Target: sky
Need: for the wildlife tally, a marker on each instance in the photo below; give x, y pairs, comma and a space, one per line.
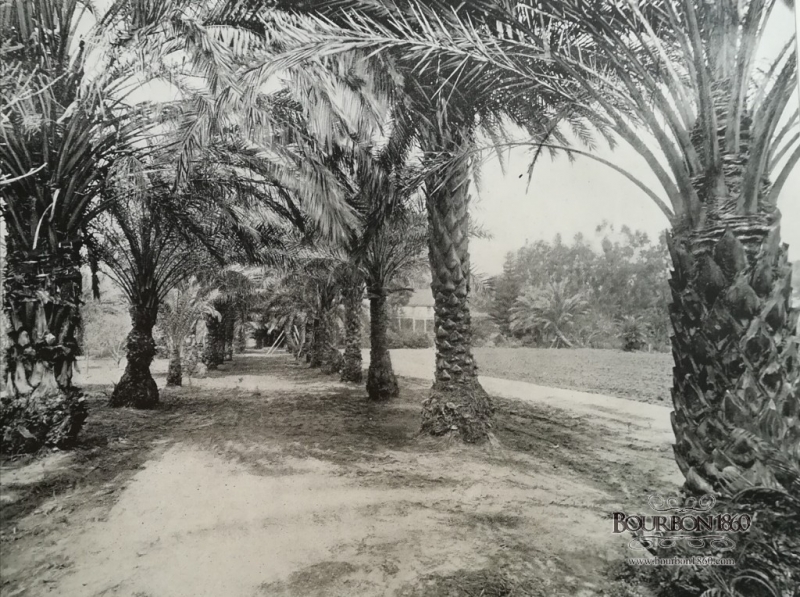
568, 198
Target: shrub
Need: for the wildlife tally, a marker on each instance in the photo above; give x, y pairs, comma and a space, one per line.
632, 333
28, 424
408, 339
501, 340
105, 327
483, 331
595, 329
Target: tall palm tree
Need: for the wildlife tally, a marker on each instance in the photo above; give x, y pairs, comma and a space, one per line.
395, 251
183, 308
680, 82
730, 142
147, 256
59, 141
440, 111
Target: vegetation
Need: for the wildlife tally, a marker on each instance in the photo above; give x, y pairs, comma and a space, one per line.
327, 146
722, 130
549, 311
393, 255
61, 141
142, 248
626, 279
180, 312
639, 376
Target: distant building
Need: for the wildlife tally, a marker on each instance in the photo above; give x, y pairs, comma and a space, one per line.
417, 314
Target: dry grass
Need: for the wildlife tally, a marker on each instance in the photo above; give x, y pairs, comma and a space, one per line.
642, 376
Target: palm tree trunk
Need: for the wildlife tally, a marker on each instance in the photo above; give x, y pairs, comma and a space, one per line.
352, 368
229, 330
318, 340
308, 339
214, 351
381, 380
175, 372
241, 334
736, 383
42, 297
457, 403
137, 388
326, 356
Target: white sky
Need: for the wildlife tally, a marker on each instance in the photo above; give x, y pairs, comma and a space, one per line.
570, 198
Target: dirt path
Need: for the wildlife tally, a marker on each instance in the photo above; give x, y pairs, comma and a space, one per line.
272, 480
646, 421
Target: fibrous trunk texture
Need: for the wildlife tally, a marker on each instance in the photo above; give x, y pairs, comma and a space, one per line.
352, 367
229, 326
137, 388
175, 371
214, 351
308, 339
318, 340
332, 359
457, 403
39, 405
241, 335
381, 380
736, 385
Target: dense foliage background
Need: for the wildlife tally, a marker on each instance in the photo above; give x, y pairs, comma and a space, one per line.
605, 294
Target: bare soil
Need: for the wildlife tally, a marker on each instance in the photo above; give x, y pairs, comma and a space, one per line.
642, 376
269, 479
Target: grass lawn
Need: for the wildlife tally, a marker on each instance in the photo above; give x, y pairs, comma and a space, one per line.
634, 375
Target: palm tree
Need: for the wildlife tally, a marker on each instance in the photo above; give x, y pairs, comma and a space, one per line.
183, 308
633, 333
549, 311
59, 140
729, 143
395, 251
681, 79
439, 110
385, 247
147, 255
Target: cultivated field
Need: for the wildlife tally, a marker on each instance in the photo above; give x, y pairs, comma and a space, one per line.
633, 375
646, 377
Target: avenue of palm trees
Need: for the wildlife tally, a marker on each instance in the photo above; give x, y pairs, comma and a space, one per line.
307, 156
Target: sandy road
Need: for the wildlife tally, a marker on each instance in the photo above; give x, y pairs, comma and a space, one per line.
253, 500
649, 422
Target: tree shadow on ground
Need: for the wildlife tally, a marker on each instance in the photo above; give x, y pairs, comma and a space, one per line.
330, 421
309, 415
